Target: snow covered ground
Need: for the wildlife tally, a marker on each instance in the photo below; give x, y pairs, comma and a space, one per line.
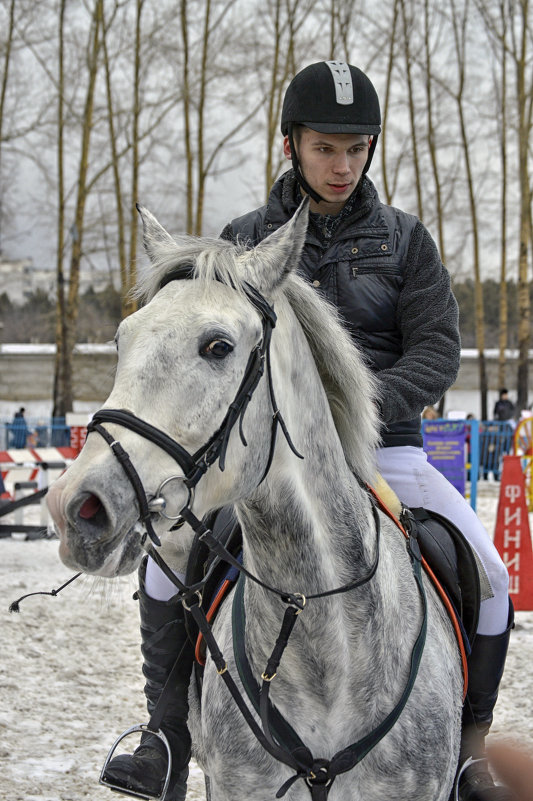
70, 678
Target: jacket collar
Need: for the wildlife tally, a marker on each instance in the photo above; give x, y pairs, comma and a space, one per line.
285, 197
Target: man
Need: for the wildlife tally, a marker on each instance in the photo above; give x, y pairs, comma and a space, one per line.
381, 268
504, 407
19, 429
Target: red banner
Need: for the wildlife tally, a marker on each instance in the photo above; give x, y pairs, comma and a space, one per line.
78, 434
512, 536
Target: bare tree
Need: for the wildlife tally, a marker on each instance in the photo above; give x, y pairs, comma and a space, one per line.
286, 23
3, 90
429, 85
497, 29
127, 263
388, 184
460, 18
407, 18
63, 381
129, 304
61, 365
520, 50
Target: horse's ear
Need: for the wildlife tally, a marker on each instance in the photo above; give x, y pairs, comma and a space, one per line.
155, 239
279, 254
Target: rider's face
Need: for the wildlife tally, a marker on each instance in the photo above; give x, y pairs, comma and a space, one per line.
332, 165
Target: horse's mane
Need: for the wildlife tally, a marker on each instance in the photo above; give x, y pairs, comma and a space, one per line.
350, 387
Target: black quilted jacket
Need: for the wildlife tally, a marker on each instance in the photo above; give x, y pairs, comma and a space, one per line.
381, 268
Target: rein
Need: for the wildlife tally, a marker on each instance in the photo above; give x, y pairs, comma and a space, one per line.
318, 774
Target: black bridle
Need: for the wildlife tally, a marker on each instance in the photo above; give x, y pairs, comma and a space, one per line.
195, 465
318, 774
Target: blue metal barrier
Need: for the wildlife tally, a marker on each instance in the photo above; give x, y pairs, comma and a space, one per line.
52, 432
495, 441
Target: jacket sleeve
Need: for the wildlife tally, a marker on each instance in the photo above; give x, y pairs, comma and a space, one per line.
428, 317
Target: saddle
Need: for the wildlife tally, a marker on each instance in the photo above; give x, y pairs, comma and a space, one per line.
449, 561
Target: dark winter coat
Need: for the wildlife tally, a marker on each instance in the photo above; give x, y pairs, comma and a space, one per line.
504, 409
381, 268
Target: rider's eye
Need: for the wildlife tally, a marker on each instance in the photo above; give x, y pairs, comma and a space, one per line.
217, 349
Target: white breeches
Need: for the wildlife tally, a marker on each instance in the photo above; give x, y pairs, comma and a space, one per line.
417, 483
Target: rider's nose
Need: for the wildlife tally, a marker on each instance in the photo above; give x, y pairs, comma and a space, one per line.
341, 164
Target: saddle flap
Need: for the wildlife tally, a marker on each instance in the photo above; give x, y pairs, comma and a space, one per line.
450, 556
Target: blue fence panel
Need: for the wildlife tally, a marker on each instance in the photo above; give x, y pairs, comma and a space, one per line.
39, 434
495, 441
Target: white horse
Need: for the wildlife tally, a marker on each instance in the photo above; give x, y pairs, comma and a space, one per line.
309, 524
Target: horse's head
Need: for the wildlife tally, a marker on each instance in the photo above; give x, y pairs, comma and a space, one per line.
181, 361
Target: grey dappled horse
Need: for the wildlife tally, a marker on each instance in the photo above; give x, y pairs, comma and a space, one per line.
308, 525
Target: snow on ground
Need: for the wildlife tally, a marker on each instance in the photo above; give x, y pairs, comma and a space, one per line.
70, 677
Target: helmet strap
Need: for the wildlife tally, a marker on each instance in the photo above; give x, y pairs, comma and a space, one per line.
371, 150
298, 170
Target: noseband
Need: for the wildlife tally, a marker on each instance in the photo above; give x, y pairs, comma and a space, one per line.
195, 465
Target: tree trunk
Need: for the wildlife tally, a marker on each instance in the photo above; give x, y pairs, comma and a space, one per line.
503, 311
388, 186
189, 188
129, 304
459, 30
61, 401
123, 267
406, 27
3, 91
524, 128
432, 144
63, 381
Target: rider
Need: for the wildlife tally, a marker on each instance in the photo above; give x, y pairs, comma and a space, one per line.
381, 268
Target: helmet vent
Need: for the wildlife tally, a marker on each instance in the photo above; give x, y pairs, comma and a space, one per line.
342, 79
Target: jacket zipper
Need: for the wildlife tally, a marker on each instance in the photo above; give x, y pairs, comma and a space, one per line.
361, 270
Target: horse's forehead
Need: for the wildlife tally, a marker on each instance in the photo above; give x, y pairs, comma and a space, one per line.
189, 304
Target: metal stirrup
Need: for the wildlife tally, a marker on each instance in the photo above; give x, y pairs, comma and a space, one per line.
140, 727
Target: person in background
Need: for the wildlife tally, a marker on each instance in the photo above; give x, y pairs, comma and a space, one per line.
19, 429
504, 408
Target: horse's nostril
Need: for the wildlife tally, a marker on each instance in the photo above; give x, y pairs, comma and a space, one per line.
90, 507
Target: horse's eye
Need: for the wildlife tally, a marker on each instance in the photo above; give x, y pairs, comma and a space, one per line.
217, 349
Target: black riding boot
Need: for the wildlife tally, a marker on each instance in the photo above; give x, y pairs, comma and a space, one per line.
163, 636
485, 670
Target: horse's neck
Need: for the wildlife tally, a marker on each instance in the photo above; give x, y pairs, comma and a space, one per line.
315, 529
308, 526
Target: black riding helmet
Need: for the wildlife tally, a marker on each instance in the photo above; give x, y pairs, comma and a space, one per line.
330, 97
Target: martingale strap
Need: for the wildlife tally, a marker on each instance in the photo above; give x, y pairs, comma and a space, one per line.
320, 772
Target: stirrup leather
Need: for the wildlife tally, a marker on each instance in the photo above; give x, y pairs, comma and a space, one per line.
143, 728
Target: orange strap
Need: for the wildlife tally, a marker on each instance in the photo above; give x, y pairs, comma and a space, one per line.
199, 651
441, 591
